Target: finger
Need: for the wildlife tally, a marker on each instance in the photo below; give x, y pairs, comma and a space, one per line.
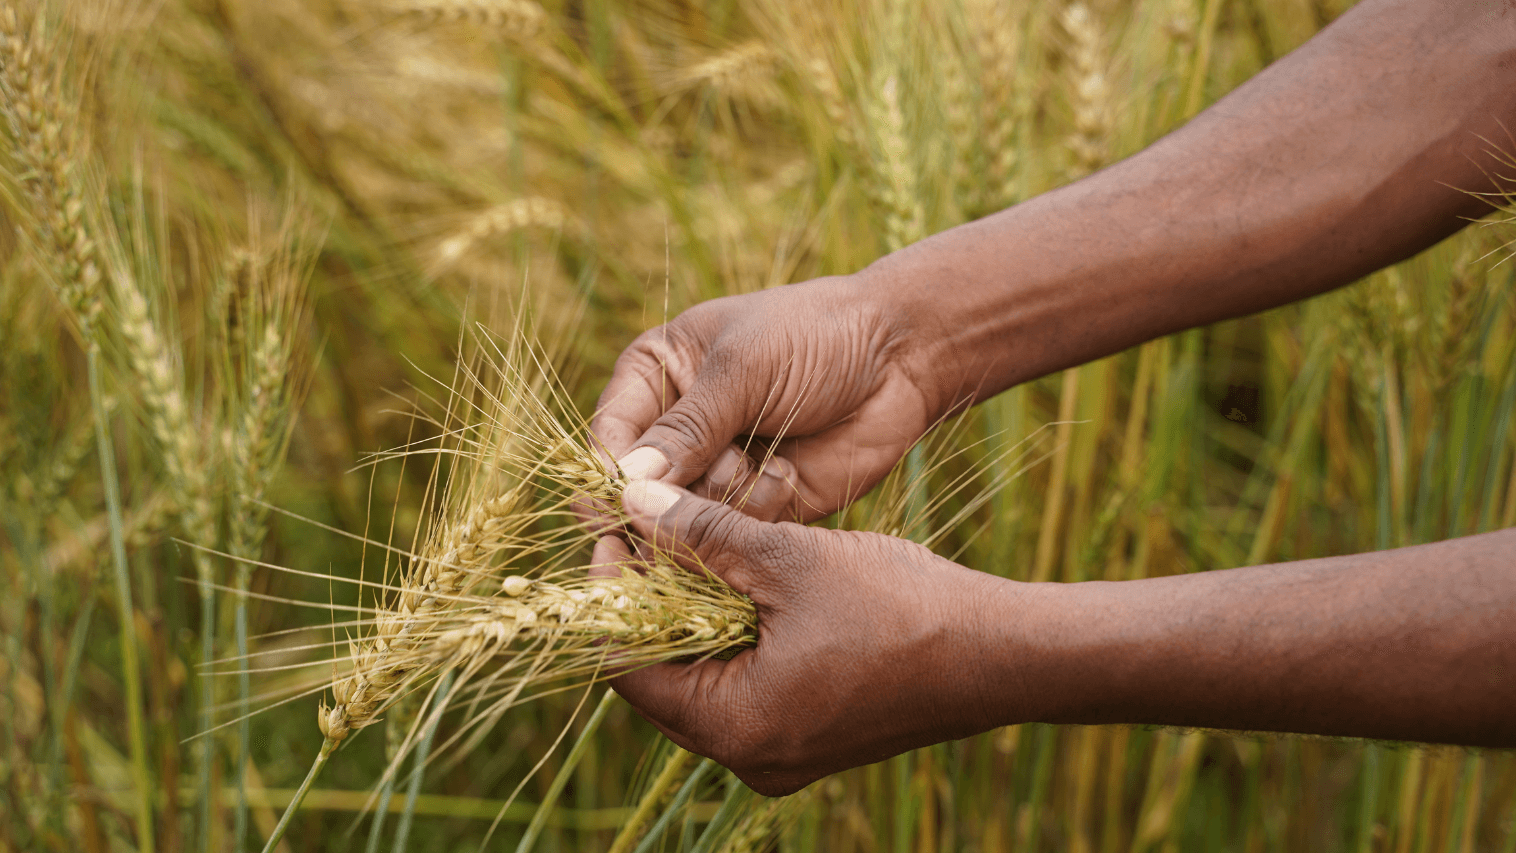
642, 386
683, 443
768, 494
606, 559
682, 700
731, 470
695, 531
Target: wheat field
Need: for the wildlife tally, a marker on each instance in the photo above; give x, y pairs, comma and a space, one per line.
280, 278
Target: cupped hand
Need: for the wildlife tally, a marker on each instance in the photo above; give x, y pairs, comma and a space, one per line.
868, 645
787, 403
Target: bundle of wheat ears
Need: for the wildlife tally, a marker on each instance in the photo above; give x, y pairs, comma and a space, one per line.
496, 608
497, 597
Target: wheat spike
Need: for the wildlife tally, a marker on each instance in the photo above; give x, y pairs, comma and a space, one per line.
957, 106
904, 219
47, 148
666, 613
745, 71
498, 221
521, 19
997, 43
1093, 112
823, 82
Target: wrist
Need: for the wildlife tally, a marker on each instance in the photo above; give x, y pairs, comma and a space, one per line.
1043, 656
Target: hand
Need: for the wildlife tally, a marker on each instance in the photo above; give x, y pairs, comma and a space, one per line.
833, 383
868, 645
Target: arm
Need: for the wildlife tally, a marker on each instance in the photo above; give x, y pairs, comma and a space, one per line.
1415, 644
1355, 151
870, 646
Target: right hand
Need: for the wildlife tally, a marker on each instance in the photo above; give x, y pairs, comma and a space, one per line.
868, 645
834, 385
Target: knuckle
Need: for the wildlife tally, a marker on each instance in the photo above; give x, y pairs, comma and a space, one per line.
688, 425
708, 527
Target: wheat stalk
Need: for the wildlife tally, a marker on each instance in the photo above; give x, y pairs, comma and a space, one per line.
50, 170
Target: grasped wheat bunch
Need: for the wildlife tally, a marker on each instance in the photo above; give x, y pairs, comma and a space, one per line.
666, 613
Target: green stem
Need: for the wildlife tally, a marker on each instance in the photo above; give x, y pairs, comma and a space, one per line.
905, 804
207, 702
244, 693
545, 808
737, 797
680, 799
663, 782
423, 748
131, 671
1368, 798
289, 811
376, 829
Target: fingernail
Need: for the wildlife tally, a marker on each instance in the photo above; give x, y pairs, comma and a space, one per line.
725, 469
644, 463
649, 497
780, 469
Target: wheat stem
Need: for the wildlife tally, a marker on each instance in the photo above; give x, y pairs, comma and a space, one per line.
686, 792
423, 748
550, 800
665, 780
327, 746
131, 672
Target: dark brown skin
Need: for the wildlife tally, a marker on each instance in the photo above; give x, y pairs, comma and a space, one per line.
1355, 151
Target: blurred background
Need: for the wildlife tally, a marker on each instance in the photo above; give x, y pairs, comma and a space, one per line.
243, 239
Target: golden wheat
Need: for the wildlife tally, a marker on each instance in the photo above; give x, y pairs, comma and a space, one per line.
1094, 115
997, 44
47, 147
518, 18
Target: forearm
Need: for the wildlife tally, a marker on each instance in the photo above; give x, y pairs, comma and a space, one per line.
1416, 643
1353, 152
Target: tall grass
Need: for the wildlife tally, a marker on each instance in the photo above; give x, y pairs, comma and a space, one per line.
607, 165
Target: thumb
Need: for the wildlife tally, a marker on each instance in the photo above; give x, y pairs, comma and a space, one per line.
695, 531
683, 442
